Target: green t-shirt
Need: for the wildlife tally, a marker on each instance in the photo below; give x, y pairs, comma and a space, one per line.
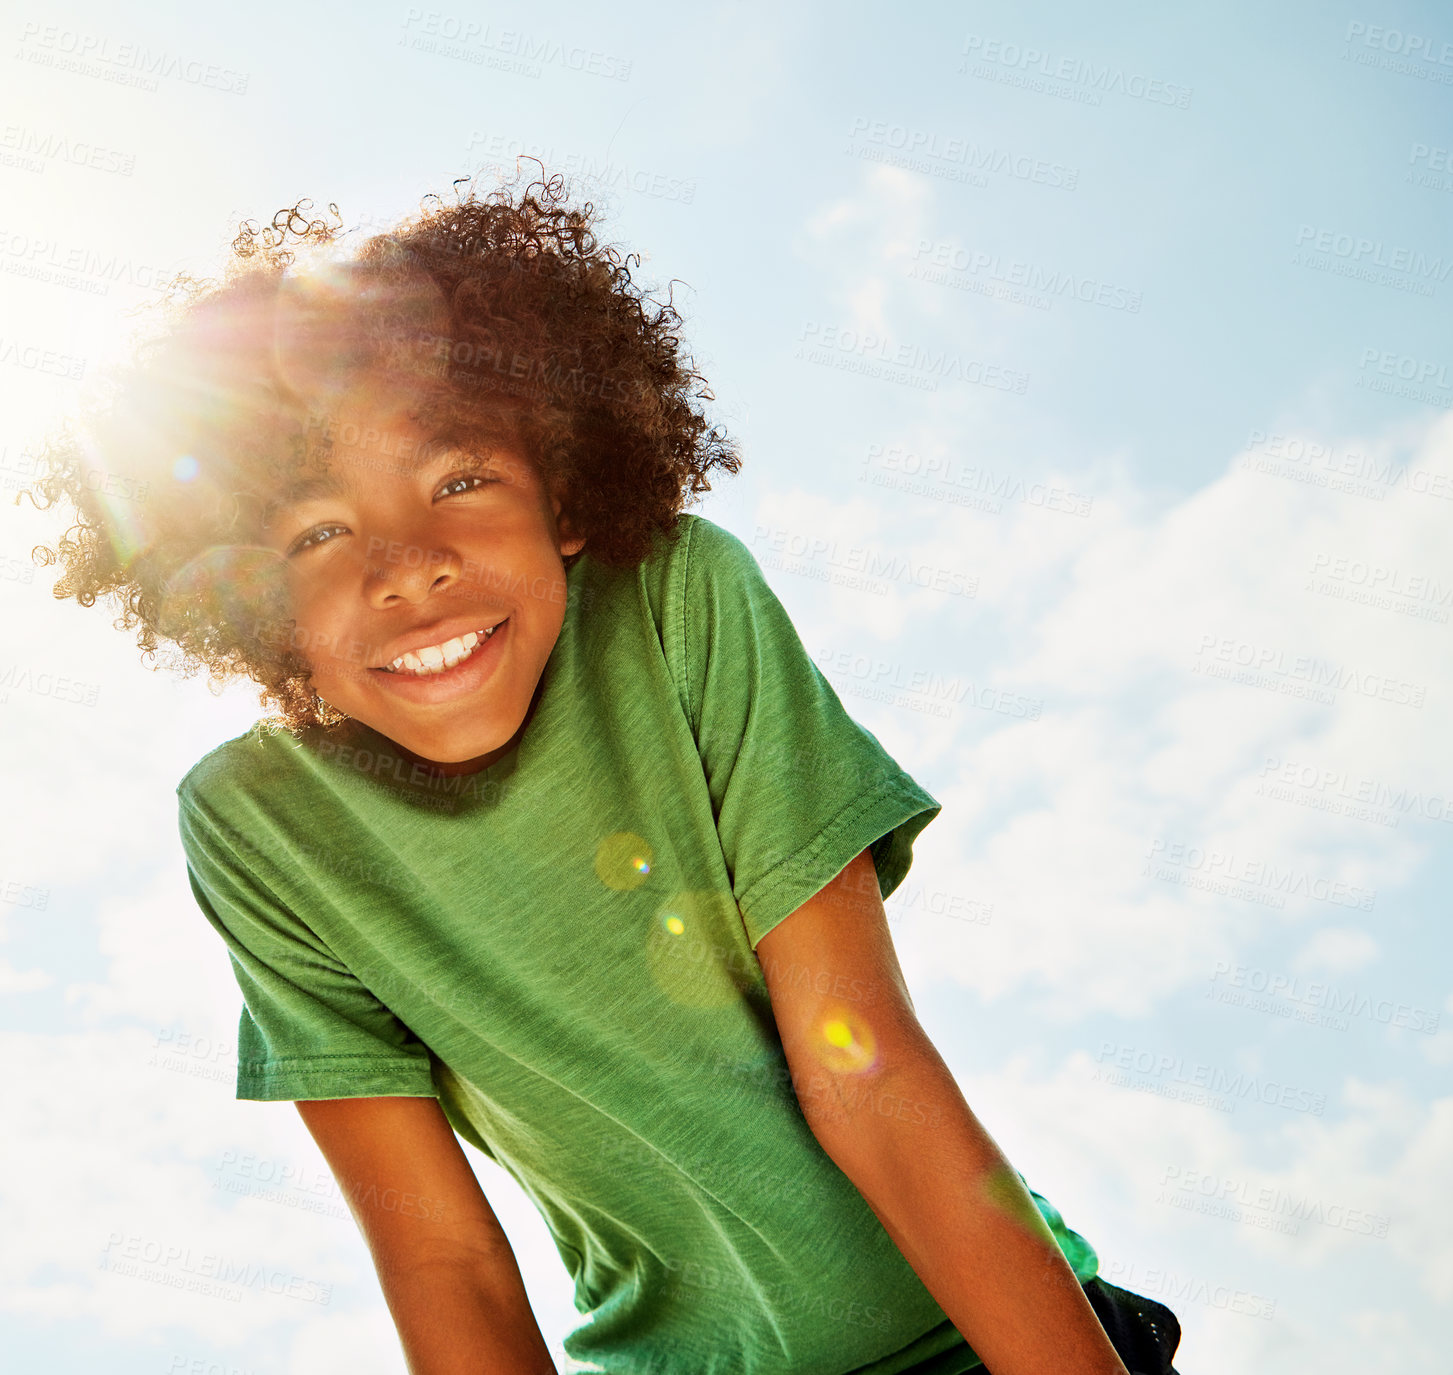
560, 947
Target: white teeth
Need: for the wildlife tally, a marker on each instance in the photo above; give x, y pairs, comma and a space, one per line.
436, 658
452, 654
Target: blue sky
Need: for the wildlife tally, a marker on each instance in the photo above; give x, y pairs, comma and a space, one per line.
1116, 342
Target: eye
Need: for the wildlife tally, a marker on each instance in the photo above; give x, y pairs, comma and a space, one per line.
455, 486
465, 478
317, 535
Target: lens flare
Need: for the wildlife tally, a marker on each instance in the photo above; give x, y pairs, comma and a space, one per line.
623, 861
690, 951
337, 319
121, 497
124, 527
237, 584
845, 1042
185, 468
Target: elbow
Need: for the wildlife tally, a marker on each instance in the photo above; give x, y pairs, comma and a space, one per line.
865, 1114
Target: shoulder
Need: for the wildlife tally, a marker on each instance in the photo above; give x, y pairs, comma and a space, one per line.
238, 765
713, 550
693, 550
691, 560
700, 544
715, 565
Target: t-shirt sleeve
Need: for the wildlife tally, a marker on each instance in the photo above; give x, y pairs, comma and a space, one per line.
308, 1027
798, 787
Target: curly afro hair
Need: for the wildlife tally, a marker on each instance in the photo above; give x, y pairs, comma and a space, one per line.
504, 317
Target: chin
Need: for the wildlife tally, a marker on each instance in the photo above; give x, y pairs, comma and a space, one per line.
455, 749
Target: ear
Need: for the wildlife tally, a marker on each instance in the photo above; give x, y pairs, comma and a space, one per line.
570, 542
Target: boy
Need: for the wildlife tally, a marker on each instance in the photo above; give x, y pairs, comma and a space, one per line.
559, 842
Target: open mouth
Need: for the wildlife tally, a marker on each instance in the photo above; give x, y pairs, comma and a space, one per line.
433, 660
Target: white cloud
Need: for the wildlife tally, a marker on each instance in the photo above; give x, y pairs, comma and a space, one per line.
875, 228
115, 1147
166, 967
95, 740
14, 980
1337, 949
1129, 625
1174, 1195
1052, 822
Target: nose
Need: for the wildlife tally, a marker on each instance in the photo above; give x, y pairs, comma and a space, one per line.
407, 570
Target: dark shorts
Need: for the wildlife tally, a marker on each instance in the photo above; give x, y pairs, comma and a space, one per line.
1144, 1333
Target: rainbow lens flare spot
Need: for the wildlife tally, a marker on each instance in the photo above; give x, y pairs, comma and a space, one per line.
845, 1042
623, 861
690, 951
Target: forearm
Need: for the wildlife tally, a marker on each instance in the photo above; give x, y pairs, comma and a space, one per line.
454, 1319
953, 1204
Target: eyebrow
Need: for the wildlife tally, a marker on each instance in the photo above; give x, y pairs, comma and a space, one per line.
331, 485
334, 484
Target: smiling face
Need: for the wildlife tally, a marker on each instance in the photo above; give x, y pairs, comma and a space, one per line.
418, 556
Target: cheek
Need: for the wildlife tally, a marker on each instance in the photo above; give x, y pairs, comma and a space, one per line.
313, 603
320, 635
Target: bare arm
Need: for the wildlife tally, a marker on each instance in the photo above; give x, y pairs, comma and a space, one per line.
446, 1268
893, 1120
